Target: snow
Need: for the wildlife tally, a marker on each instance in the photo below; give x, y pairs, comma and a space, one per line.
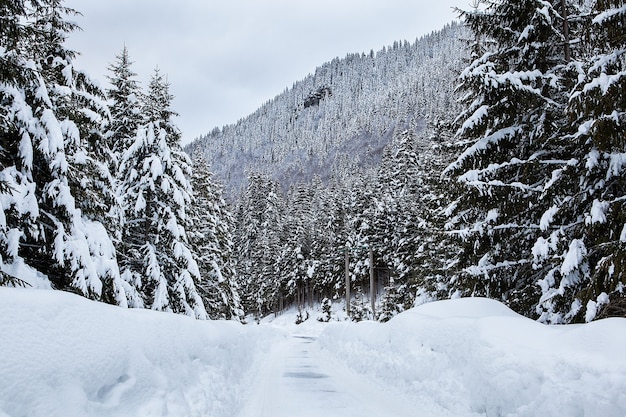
594, 306
574, 257
476, 118
542, 247
617, 162
54, 140
598, 212
63, 355
30, 276
481, 145
604, 81
547, 218
608, 14
492, 216
26, 150
474, 357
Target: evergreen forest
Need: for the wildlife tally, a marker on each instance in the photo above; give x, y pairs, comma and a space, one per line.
486, 159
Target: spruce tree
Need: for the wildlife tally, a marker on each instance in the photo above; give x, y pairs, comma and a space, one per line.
156, 255
514, 106
329, 239
18, 205
60, 187
124, 95
258, 238
581, 250
399, 225
295, 262
212, 244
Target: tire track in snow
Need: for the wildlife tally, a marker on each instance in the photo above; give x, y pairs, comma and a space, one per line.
297, 379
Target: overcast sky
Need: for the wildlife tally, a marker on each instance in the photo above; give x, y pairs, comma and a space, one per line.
224, 58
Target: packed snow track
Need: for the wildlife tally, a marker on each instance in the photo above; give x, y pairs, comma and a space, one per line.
299, 379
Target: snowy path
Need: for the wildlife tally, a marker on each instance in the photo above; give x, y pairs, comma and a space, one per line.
297, 379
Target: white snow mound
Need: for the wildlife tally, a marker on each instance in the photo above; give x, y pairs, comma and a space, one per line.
475, 357
62, 355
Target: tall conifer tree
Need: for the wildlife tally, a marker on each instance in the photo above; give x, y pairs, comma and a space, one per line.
157, 259
212, 244
582, 249
60, 185
125, 97
515, 102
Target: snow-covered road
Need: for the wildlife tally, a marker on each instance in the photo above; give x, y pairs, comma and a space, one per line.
299, 379
64, 356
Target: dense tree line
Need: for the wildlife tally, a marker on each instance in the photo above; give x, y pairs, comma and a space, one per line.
486, 159
340, 117
96, 193
516, 192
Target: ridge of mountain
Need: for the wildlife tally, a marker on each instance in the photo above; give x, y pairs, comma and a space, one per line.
338, 120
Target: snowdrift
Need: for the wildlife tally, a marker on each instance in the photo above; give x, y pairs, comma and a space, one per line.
475, 357
62, 355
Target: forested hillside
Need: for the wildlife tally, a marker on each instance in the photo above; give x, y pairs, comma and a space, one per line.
340, 118
483, 160
341, 159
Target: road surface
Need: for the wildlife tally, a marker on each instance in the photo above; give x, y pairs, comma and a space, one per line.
299, 380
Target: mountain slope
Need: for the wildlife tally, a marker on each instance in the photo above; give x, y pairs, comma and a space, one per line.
340, 118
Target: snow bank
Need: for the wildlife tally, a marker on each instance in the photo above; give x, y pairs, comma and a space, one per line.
62, 355
475, 357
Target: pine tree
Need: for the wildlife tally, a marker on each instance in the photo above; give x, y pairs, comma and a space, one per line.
399, 225
212, 244
296, 263
359, 227
437, 252
514, 106
258, 237
156, 256
329, 233
582, 249
59, 183
125, 97
18, 205
409, 224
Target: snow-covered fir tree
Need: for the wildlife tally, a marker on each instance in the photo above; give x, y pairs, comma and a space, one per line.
155, 172
397, 220
296, 264
515, 100
212, 244
581, 250
258, 237
59, 185
124, 95
541, 216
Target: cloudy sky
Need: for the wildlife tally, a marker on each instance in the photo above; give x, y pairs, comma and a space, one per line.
224, 58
